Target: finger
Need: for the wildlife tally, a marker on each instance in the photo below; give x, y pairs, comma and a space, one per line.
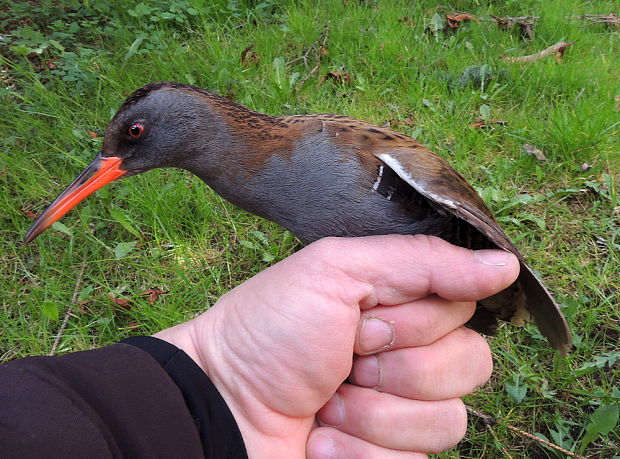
417, 323
329, 443
451, 367
394, 422
395, 269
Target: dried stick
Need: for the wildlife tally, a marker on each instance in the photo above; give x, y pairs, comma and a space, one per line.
512, 19
489, 422
610, 19
557, 49
68, 314
315, 48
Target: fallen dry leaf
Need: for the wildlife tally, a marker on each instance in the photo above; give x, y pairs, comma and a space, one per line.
407, 122
481, 123
29, 213
122, 302
340, 77
82, 306
525, 23
133, 325
153, 294
248, 56
502, 23
454, 20
92, 134
405, 20
526, 29
50, 65
536, 152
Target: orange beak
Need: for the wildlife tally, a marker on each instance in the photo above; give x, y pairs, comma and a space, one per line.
99, 173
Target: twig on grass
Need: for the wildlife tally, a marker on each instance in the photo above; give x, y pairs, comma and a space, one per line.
68, 314
490, 421
318, 48
611, 20
557, 49
512, 18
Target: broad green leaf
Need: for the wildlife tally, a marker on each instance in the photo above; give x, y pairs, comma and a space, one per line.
57, 45
123, 249
602, 421
288, 237
517, 389
416, 133
133, 49
485, 112
20, 49
50, 310
140, 9
534, 218
62, 228
85, 293
260, 236
279, 67
249, 245
609, 358
436, 22
518, 392
428, 103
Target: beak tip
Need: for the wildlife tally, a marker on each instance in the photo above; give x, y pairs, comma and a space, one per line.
29, 237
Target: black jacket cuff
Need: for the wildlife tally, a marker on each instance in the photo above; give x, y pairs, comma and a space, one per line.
217, 427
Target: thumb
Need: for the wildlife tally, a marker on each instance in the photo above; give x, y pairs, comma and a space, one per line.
395, 268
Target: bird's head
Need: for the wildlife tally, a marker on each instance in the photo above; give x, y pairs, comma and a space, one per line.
159, 125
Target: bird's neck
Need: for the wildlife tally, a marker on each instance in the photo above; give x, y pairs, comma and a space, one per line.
260, 162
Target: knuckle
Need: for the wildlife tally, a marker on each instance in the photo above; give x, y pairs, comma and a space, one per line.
326, 245
321, 256
425, 243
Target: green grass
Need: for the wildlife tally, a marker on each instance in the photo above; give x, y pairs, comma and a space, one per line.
65, 70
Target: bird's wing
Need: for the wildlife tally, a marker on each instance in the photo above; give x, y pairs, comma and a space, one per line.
436, 180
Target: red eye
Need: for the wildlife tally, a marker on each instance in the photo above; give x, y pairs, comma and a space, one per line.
136, 130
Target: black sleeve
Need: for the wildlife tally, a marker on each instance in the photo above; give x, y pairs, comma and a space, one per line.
141, 399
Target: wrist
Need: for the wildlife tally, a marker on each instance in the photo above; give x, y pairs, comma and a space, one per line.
204, 342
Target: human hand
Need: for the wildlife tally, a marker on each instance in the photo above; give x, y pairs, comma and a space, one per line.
280, 346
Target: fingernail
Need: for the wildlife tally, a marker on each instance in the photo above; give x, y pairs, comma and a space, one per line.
366, 372
322, 447
493, 257
375, 334
332, 413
